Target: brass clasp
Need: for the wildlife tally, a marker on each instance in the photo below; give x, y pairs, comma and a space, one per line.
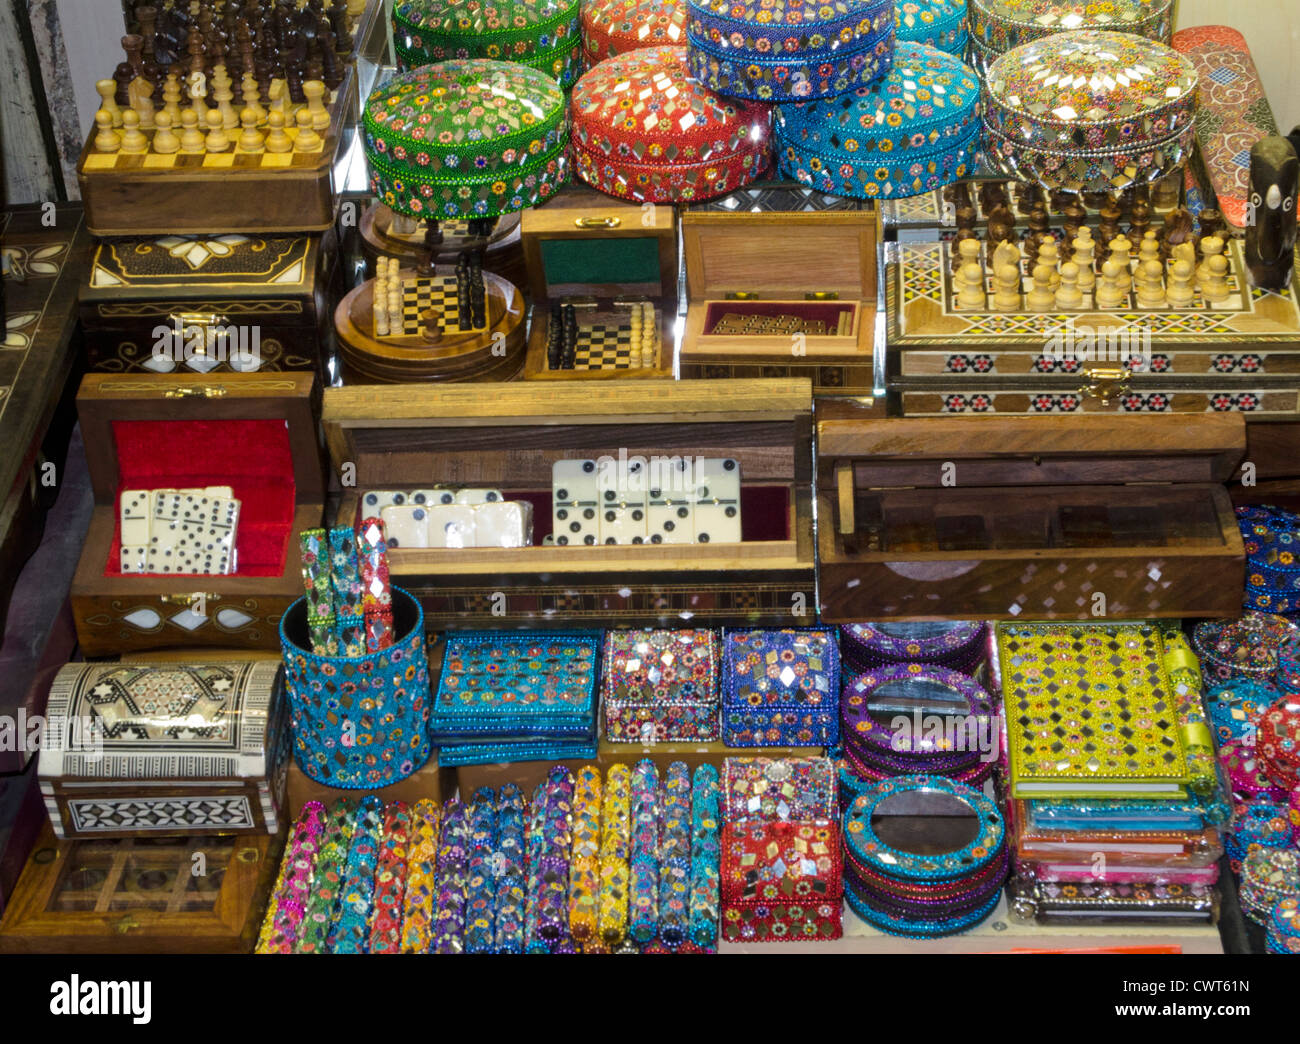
189, 599
1106, 384
598, 222
195, 392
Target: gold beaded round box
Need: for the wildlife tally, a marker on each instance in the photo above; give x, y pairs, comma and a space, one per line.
613, 27
472, 138
542, 34
643, 129
1090, 111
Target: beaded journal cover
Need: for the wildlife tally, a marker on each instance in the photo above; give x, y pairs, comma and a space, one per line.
1089, 711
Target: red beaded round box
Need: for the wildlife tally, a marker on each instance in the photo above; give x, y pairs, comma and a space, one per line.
612, 27
642, 129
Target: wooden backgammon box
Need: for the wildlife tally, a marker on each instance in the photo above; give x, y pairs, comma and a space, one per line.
605, 258
254, 433
1030, 518
508, 437
45, 251
142, 895
210, 304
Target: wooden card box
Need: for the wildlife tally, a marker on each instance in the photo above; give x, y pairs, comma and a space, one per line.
141, 895
507, 436
213, 194
118, 613
982, 518
209, 304
817, 266
584, 248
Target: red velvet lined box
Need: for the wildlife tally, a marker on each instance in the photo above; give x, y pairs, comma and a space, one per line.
782, 881
253, 432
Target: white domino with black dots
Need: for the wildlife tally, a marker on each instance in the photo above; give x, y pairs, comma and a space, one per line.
178, 531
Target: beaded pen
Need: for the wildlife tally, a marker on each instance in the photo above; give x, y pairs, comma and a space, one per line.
480, 878
706, 852
294, 889
449, 918
643, 888
675, 855
584, 861
511, 890
615, 846
421, 878
533, 943
273, 907
351, 930
390, 880
327, 882
553, 863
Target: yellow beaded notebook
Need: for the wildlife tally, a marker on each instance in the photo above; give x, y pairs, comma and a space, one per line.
1090, 712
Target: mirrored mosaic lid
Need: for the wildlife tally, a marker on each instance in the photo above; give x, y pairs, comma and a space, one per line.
644, 107
661, 667
927, 21
1090, 90
513, 29
611, 27
1003, 24
789, 13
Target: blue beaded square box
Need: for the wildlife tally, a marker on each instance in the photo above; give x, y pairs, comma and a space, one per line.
359, 722
780, 688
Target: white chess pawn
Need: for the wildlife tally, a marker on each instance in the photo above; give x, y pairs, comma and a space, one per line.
1214, 288
250, 140
165, 142
1150, 284
1069, 297
307, 140
1180, 293
1083, 259
276, 139
970, 284
1211, 246
315, 93
216, 140
191, 136
106, 139
1121, 249
252, 97
1041, 298
107, 92
133, 139
1006, 293
1149, 248
1109, 293
380, 304
1049, 255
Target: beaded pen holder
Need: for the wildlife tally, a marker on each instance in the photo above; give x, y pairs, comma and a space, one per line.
390, 880
453, 858
327, 879
615, 854
706, 849
480, 881
359, 722
421, 877
675, 855
643, 890
512, 864
584, 861
350, 932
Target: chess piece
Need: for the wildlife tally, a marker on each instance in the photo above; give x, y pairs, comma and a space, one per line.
1039, 222
252, 100
1211, 246
1140, 220
1041, 297
1211, 223
1109, 294
251, 138
276, 138
1006, 287
172, 98
1069, 297
1049, 255
1074, 218
191, 136
216, 141
307, 140
107, 90
1271, 217
970, 286
1005, 253
992, 194
1180, 293
223, 96
1149, 247
1108, 221
133, 139
1121, 249
1001, 224
1027, 195
379, 308
165, 142
1166, 193
1177, 229
278, 97
1214, 287
1083, 257
315, 93
1150, 284
141, 92
1184, 252
106, 139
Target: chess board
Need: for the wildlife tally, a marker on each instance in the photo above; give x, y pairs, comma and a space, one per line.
197, 162
437, 294
604, 346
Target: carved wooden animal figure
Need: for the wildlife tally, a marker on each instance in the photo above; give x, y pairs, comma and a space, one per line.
1271, 220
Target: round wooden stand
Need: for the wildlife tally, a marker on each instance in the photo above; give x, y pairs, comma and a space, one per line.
504, 255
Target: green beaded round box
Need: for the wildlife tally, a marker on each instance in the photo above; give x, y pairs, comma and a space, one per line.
468, 138
542, 34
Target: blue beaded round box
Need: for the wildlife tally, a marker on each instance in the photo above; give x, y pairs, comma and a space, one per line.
786, 50
359, 722
937, 23
915, 129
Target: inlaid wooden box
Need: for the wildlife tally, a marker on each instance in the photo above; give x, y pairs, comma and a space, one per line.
254, 432
600, 255
210, 304
781, 295
508, 436
1029, 518
137, 895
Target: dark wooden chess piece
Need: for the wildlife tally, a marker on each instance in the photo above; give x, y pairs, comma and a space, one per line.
1060, 199
555, 337
122, 76
1139, 220
1177, 229
1040, 224
1001, 224
339, 20
1094, 201
1270, 216
1027, 197
1212, 223
1166, 192
1107, 222
992, 194
1075, 216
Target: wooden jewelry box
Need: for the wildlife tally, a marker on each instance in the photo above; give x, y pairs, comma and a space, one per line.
210, 304
1042, 518
142, 895
253, 432
508, 436
601, 256
781, 295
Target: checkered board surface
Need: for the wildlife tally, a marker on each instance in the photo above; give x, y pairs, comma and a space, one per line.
437, 293
231, 159
604, 347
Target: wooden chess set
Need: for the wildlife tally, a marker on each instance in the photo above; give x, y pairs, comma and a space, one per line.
628, 339
224, 117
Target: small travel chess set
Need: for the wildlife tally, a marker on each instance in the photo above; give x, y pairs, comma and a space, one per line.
428, 306
739, 325
626, 340
244, 87
444, 517
686, 501
187, 531
349, 597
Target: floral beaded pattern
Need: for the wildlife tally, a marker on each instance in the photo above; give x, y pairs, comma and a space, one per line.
950, 643
780, 687
858, 699
781, 881
935, 23
1279, 740
1003, 24
1234, 708
1243, 648
661, 685
613, 27
508, 30
779, 788
1284, 927
421, 877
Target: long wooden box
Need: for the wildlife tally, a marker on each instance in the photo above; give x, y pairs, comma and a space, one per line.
146, 750
813, 266
45, 258
255, 432
1042, 518
135, 895
209, 304
507, 436
204, 193
599, 254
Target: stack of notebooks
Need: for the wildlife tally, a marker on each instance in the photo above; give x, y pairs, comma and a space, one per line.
1113, 801
517, 697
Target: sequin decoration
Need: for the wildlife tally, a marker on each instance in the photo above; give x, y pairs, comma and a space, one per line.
615, 854
778, 789
935, 23
780, 688
643, 890
421, 878
350, 932
611, 27
706, 848
675, 855
512, 872
661, 686
453, 871
390, 880
327, 880
1245, 648
584, 862
781, 881
996, 26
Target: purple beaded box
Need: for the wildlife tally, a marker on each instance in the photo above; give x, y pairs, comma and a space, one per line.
780, 688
